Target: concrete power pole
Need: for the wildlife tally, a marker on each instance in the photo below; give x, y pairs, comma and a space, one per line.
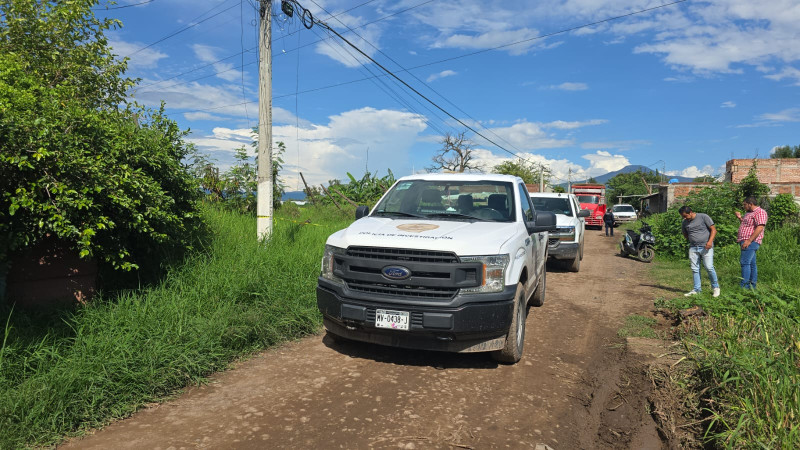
541, 178
264, 193
569, 180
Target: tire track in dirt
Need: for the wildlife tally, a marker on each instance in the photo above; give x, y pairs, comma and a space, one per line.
319, 393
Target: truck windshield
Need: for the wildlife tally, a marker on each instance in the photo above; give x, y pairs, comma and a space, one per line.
624, 208
588, 199
450, 200
554, 205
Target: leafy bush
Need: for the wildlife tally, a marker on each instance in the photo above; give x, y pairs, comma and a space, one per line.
782, 210
78, 162
367, 191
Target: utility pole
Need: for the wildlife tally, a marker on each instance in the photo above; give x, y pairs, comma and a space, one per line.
541, 178
569, 180
264, 193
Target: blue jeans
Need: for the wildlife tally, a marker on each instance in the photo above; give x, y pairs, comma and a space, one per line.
609, 226
696, 254
749, 269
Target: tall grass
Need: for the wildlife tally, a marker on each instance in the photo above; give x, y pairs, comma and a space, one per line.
747, 354
67, 371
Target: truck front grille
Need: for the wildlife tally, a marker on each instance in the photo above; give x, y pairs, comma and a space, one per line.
402, 254
421, 292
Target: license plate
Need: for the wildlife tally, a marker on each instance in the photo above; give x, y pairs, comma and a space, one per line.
396, 320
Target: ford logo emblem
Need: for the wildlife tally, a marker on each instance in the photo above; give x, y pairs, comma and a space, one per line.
396, 272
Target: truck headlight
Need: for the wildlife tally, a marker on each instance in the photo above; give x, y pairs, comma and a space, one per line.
565, 233
494, 273
328, 263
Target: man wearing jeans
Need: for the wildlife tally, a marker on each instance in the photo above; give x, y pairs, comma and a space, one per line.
751, 232
700, 231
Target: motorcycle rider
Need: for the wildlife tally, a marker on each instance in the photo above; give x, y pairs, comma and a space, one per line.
700, 231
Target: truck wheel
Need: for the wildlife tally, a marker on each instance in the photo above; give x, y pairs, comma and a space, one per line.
537, 299
515, 339
575, 265
647, 254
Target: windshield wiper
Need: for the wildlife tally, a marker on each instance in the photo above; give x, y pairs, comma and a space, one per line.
397, 213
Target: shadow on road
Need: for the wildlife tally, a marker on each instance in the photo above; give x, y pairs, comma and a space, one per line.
409, 357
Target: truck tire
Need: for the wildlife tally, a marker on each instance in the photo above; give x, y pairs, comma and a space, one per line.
575, 264
515, 339
537, 299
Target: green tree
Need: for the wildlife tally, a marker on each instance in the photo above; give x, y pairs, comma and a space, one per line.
529, 172
559, 189
782, 210
633, 183
592, 180
705, 179
79, 162
751, 187
786, 152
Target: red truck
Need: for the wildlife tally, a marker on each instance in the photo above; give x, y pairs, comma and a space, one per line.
593, 198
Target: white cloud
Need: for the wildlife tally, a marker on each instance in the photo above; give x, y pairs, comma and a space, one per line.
694, 172
368, 36
563, 125
208, 54
787, 72
491, 39
728, 104
617, 145
570, 86
529, 136
144, 59
201, 116
787, 115
442, 74
602, 162
198, 97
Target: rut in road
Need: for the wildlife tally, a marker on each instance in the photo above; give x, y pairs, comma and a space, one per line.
572, 389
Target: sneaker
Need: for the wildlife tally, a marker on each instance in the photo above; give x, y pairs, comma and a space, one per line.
715, 292
691, 293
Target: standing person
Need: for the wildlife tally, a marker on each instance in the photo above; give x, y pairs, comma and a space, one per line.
751, 233
608, 220
700, 231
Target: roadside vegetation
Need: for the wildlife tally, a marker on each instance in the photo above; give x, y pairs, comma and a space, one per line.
740, 381
69, 371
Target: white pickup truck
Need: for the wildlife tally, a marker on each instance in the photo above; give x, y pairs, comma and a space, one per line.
444, 262
566, 244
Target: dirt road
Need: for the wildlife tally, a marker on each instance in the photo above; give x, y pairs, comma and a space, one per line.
573, 388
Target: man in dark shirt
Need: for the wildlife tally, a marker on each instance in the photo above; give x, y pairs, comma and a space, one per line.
608, 220
700, 231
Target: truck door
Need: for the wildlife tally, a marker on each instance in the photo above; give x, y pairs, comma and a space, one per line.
535, 251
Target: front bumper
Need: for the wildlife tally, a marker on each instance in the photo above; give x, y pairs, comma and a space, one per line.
625, 219
465, 323
563, 250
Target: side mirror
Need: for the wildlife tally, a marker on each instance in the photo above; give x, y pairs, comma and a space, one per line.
362, 211
584, 213
545, 221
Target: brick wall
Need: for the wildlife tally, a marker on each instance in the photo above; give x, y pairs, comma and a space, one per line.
785, 170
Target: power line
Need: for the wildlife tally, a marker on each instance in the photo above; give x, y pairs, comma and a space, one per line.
423, 83
109, 8
282, 37
194, 24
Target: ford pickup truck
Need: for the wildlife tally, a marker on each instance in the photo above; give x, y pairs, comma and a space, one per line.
445, 262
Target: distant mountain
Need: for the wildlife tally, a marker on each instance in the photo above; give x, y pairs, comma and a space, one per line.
293, 195
633, 168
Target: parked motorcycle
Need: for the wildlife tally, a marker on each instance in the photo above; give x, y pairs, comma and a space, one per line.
639, 244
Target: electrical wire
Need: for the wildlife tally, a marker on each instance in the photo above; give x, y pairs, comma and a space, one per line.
109, 8
274, 41
422, 82
192, 25
241, 42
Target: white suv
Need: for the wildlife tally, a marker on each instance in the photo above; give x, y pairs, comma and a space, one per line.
567, 243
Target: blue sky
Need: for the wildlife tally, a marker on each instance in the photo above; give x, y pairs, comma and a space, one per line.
684, 87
